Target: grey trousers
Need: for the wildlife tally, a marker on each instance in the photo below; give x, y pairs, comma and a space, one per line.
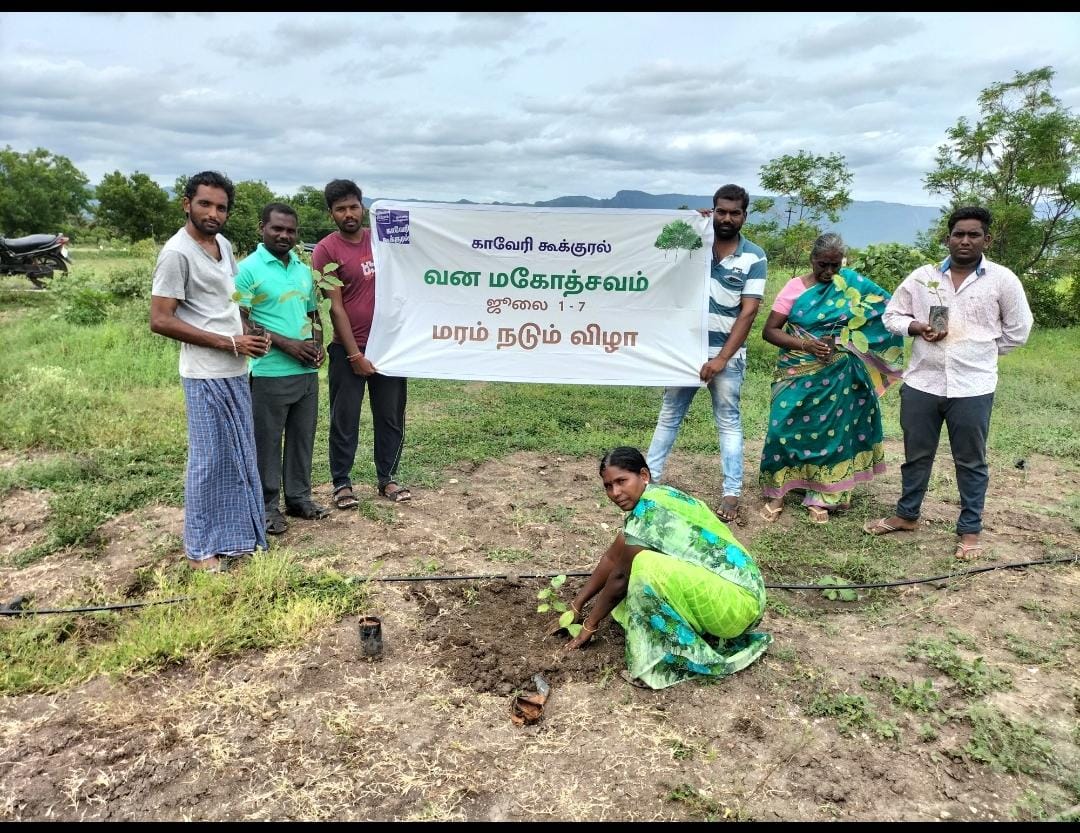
968, 419
289, 406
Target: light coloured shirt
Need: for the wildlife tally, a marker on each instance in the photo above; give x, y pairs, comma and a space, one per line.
204, 288
988, 316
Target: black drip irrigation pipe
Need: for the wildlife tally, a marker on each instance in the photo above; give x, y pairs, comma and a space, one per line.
505, 576
6, 611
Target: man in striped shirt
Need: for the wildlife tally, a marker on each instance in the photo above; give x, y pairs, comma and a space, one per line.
738, 284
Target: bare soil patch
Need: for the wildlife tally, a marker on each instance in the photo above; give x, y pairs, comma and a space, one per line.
319, 732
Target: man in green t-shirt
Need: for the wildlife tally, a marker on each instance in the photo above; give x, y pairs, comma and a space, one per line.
277, 293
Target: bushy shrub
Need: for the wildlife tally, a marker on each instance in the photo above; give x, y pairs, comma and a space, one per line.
887, 264
1053, 302
81, 301
131, 280
145, 249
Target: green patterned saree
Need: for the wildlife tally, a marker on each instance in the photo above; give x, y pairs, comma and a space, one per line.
824, 431
694, 593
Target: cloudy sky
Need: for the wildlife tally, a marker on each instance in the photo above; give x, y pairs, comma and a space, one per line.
512, 107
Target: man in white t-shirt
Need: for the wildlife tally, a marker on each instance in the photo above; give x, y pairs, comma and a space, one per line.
192, 302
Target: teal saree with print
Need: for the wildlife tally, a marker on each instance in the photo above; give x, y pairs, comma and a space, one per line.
824, 432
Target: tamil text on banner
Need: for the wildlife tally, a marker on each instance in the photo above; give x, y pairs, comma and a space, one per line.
518, 294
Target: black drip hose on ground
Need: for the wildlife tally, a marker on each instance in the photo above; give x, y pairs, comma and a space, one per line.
12, 610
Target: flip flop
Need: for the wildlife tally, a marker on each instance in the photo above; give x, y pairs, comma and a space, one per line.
209, 565
818, 515
727, 512
769, 515
881, 527
967, 552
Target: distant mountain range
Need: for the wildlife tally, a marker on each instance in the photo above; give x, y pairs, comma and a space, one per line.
861, 224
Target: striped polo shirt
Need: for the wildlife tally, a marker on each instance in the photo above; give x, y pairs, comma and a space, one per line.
739, 275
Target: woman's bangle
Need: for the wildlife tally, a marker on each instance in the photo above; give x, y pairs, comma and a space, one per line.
585, 627
355, 355
234, 351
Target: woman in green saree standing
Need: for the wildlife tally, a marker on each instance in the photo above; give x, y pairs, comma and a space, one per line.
836, 358
685, 591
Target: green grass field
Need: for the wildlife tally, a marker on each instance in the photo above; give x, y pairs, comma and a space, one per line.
106, 401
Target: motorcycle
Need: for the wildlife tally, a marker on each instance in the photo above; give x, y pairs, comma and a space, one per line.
38, 256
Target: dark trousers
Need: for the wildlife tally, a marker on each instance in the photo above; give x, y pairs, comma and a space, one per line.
968, 420
286, 405
387, 395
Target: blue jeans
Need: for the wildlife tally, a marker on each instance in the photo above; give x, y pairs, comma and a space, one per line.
725, 389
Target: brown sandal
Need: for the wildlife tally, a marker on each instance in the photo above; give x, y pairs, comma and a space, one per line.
398, 495
348, 501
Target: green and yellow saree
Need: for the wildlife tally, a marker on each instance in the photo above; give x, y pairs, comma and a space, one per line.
694, 593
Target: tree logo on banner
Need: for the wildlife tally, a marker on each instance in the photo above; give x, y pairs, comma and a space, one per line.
678, 235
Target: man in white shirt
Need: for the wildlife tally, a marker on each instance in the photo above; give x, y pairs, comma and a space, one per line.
953, 370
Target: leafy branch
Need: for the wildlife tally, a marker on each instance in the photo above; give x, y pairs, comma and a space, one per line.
248, 299
856, 302
323, 281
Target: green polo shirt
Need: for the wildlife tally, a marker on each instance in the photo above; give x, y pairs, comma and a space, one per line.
262, 273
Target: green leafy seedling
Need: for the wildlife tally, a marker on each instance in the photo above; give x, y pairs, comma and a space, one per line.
550, 600
842, 594
247, 299
323, 280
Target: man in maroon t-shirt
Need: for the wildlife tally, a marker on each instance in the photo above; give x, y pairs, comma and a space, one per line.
352, 308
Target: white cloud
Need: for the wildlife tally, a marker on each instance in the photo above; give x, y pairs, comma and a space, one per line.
514, 107
831, 41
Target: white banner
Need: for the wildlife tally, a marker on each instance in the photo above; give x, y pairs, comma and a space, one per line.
518, 294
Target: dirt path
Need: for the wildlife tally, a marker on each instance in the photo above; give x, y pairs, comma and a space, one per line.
828, 725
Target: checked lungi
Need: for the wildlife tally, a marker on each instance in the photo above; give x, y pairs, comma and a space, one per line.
223, 506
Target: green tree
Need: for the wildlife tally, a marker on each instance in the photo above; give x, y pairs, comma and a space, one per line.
1020, 159
815, 187
40, 192
313, 218
763, 228
242, 229
135, 207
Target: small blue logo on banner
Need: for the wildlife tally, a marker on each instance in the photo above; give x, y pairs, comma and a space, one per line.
392, 226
